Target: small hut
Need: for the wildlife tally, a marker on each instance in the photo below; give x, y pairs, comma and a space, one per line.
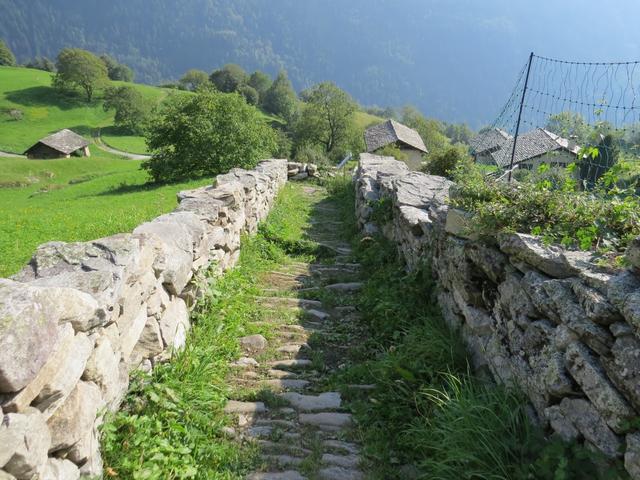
394, 133
62, 144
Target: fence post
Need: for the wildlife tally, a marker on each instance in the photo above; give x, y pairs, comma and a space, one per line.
515, 138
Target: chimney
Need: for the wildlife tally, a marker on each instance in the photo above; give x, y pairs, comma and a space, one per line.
572, 143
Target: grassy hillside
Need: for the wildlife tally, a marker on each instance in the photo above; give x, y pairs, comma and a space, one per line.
364, 119
44, 111
73, 200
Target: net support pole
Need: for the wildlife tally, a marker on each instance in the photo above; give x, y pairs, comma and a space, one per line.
515, 138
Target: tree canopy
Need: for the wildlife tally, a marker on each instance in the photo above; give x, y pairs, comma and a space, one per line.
82, 69
261, 82
194, 79
6, 55
132, 110
206, 134
229, 78
280, 99
116, 70
326, 117
431, 130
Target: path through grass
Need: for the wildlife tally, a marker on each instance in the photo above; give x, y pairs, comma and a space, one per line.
420, 412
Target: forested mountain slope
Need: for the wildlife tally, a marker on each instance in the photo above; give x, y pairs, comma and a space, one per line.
454, 59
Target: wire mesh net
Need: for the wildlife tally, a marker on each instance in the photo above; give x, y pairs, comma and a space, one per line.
582, 115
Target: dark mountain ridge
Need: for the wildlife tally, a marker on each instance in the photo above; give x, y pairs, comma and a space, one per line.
456, 59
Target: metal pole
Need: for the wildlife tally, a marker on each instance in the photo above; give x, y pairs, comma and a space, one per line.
524, 93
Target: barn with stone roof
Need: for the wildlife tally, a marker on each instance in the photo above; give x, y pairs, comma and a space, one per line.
398, 135
62, 144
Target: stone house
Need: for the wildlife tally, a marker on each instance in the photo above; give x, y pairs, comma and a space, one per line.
62, 144
535, 148
486, 143
396, 134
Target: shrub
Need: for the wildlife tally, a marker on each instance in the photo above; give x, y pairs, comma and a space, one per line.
315, 155
445, 162
549, 204
250, 94
132, 109
206, 134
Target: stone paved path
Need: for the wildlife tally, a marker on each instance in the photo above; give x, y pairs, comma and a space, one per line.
303, 431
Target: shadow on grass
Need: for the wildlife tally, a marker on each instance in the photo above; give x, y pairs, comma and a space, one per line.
49, 97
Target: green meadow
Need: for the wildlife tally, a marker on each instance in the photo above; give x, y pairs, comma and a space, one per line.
74, 199
43, 111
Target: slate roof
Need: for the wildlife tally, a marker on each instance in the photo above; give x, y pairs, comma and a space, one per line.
389, 132
65, 141
531, 145
489, 140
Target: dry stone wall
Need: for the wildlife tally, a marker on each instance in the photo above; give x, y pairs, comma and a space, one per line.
550, 321
81, 316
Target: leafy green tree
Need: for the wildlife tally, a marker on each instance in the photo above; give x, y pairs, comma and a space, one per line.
459, 133
82, 69
250, 94
229, 78
194, 79
261, 82
326, 117
570, 124
206, 134
42, 63
280, 99
117, 71
132, 109
6, 55
431, 130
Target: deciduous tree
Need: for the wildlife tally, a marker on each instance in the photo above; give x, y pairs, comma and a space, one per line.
132, 110
82, 69
261, 82
206, 134
280, 99
6, 55
117, 71
326, 117
194, 79
229, 78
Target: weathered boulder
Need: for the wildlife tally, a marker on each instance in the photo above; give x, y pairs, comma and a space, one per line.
589, 374
591, 425
102, 268
633, 253
130, 331
623, 367
150, 343
105, 368
560, 424
530, 249
174, 324
61, 384
28, 334
29, 456
57, 469
632, 455
75, 416
253, 343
